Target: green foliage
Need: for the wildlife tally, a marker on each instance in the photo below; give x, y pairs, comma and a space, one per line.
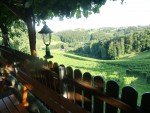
128, 44
6, 17
45, 9
71, 36
102, 43
19, 37
66, 8
102, 34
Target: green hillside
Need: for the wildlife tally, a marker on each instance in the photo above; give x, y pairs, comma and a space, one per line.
111, 69
137, 56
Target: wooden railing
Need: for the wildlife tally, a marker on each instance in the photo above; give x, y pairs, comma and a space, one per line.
54, 101
90, 93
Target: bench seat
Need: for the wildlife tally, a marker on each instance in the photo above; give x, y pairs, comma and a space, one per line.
10, 104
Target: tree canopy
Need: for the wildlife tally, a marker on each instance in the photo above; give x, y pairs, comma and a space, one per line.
31, 11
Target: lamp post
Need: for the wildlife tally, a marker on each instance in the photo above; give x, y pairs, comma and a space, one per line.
46, 35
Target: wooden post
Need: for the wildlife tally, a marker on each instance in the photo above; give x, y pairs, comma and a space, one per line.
145, 103
61, 84
24, 97
129, 96
30, 21
1, 85
3, 79
78, 92
87, 78
56, 68
99, 85
70, 89
112, 90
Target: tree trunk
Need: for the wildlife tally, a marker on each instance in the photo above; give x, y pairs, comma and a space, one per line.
4, 35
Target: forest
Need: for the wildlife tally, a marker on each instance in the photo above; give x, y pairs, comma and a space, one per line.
107, 43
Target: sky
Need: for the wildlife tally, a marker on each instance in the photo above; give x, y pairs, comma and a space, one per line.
112, 14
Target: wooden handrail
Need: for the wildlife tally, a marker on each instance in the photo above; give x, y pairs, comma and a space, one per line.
100, 95
49, 97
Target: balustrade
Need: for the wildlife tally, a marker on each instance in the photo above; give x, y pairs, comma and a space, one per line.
64, 89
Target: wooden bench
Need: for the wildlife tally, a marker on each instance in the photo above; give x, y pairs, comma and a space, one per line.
10, 104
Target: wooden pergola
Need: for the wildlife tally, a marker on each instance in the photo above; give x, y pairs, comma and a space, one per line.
23, 9
27, 16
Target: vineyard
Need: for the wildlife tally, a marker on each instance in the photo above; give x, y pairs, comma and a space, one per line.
138, 66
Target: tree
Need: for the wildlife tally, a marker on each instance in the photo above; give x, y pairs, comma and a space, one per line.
118, 49
112, 50
19, 38
6, 18
147, 38
62, 47
122, 45
31, 11
103, 51
136, 42
128, 42
95, 49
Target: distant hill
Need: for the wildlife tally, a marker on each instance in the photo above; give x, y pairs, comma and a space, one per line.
103, 43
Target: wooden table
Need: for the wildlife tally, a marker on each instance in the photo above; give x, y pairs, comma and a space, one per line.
10, 104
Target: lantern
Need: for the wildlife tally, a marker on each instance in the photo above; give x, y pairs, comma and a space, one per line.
46, 33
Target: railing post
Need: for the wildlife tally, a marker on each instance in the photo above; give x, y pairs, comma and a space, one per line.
112, 90
3, 79
98, 104
24, 97
61, 77
145, 103
70, 87
129, 96
78, 92
1, 84
15, 68
87, 79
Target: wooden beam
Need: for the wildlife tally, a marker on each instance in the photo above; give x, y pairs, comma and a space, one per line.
28, 18
13, 9
30, 21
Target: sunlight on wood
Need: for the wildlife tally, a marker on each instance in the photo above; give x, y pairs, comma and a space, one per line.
24, 97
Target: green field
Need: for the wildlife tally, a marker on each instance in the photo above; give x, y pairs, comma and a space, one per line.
110, 69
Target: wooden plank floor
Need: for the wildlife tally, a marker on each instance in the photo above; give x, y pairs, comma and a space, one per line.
10, 104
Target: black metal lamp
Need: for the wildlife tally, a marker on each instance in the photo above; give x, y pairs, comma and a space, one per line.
46, 35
